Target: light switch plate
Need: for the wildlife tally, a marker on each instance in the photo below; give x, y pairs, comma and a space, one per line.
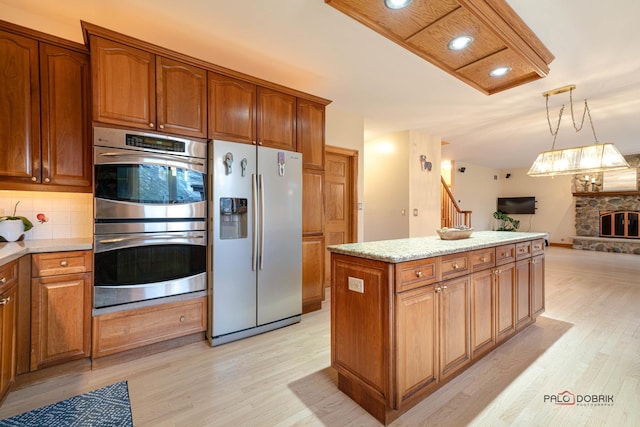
356, 285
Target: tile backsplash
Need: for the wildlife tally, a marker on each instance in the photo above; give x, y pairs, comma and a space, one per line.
70, 215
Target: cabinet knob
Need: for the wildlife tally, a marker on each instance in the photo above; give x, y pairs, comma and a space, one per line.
161, 126
47, 180
63, 263
504, 254
151, 125
455, 266
3, 280
483, 259
444, 287
533, 261
182, 319
34, 179
418, 273
5, 301
438, 289
259, 142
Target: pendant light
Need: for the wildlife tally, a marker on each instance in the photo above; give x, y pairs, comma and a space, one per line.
598, 157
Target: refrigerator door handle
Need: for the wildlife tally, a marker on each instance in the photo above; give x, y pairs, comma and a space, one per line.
254, 252
261, 221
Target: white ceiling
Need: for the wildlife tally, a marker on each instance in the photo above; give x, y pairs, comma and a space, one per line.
309, 46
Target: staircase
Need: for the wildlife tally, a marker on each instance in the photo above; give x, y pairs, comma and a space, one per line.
450, 213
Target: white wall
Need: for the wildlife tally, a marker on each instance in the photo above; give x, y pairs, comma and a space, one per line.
476, 190
555, 212
386, 191
346, 130
424, 187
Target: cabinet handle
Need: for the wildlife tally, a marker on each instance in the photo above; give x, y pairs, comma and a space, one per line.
5, 301
533, 261
418, 273
3, 280
151, 125
47, 180
438, 289
182, 319
63, 263
455, 266
161, 126
34, 179
444, 287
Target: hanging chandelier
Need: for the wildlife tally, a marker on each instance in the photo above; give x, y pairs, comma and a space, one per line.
598, 157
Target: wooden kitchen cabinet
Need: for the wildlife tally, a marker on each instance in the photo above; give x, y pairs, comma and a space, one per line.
8, 319
311, 133
313, 252
454, 308
537, 285
483, 313
60, 307
416, 354
312, 202
505, 285
136, 88
523, 294
276, 119
232, 109
45, 139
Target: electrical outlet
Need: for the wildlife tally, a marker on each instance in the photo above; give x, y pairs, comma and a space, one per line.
356, 285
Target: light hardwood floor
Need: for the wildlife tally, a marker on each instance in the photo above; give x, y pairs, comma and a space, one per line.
587, 342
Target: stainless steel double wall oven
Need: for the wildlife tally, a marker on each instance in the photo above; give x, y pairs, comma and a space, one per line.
150, 216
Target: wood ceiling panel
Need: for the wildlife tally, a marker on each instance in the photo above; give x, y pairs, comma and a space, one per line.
425, 28
434, 40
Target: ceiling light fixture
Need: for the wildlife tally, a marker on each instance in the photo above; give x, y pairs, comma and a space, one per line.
397, 4
576, 160
499, 71
460, 43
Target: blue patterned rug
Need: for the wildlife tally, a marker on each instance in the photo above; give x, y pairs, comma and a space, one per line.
106, 407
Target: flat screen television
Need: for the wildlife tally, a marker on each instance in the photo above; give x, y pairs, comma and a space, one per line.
517, 205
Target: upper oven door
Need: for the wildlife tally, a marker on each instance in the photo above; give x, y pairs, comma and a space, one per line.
141, 184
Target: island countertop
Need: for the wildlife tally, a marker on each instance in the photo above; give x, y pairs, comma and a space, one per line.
413, 248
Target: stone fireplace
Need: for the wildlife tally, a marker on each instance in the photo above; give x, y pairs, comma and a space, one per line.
606, 220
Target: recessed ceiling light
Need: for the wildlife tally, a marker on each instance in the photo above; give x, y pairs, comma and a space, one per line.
460, 43
499, 71
397, 4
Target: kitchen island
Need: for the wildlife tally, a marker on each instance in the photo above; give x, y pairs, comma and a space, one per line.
408, 315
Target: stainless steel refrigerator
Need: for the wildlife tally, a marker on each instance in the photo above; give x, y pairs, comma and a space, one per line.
256, 212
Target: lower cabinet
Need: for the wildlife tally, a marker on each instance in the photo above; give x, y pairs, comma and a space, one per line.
313, 252
60, 307
455, 325
505, 301
126, 330
8, 304
523, 294
537, 285
483, 309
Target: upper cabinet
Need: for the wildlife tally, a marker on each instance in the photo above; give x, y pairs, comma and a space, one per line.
45, 139
232, 109
276, 119
310, 124
135, 88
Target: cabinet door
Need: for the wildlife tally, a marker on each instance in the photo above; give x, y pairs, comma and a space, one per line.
455, 325
537, 285
19, 110
312, 273
7, 338
483, 317
312, 202
60, 319
523, 294
505, 301
416, 342
310, 130
276, 119
123, 84
181, 92
232, 109
66, 133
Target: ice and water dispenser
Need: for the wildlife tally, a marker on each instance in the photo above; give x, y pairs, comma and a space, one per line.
233, 218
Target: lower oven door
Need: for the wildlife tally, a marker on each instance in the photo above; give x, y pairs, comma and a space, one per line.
142, 266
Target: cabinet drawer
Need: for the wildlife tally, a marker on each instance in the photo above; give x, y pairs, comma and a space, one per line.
56, 263
523, 250
537, 247
454, 265
8, 275
414, 274
505, 254
482, 259
125, 330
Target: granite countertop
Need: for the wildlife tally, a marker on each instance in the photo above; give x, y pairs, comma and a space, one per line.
413, 248
14, 250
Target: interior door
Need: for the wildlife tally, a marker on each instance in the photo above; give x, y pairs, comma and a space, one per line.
340, 200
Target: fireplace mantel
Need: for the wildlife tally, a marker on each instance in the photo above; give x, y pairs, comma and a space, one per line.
606, 193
